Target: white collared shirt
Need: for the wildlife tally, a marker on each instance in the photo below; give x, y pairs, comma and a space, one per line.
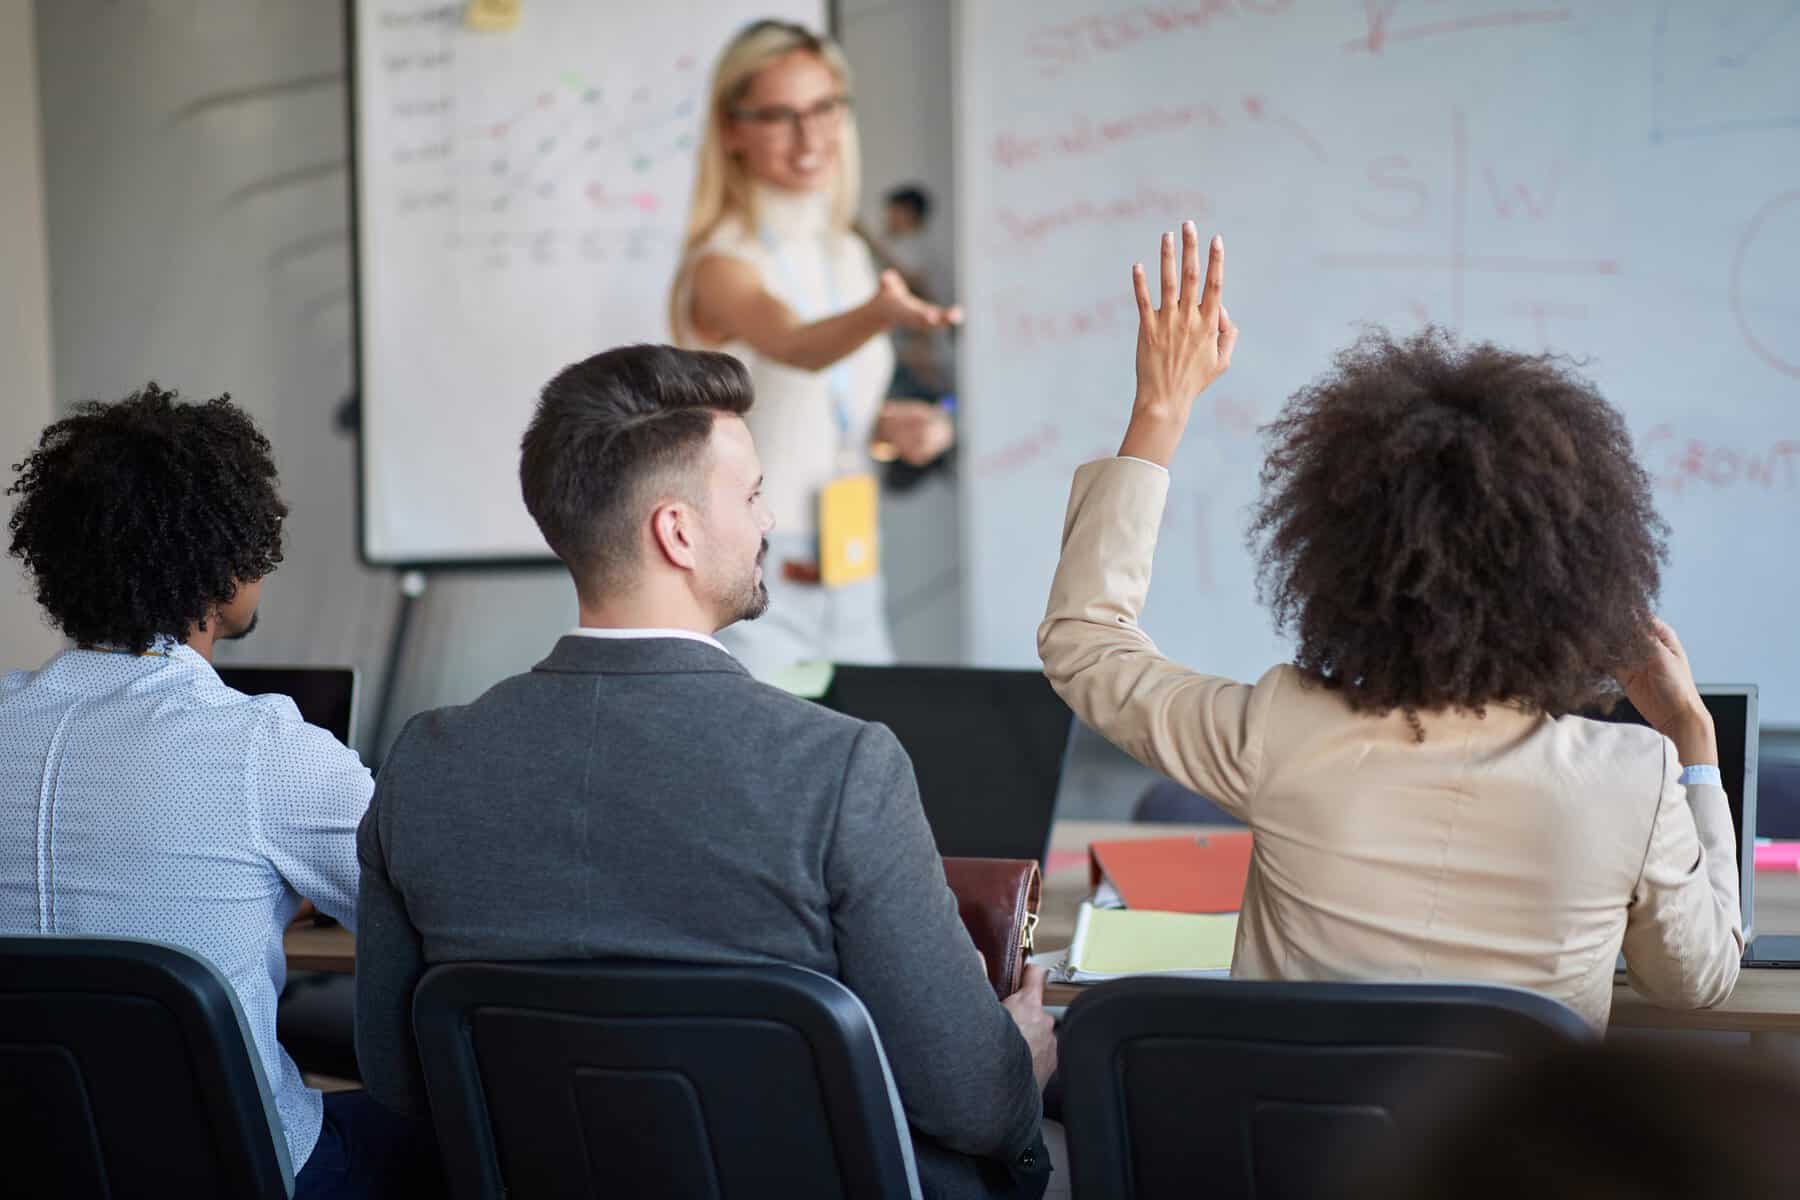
141, 797
625, 634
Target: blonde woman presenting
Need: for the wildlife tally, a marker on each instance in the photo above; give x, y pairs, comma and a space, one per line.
773, 274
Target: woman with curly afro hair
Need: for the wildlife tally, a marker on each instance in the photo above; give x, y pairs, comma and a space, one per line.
140, 797
1465, 551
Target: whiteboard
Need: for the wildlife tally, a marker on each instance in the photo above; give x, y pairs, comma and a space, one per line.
1615, 179
520, 202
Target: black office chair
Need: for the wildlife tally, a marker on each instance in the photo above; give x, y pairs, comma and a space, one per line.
127, 1070
1271, 1091
657, 1080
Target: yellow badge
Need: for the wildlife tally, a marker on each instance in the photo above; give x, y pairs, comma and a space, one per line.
492, 15
849, 533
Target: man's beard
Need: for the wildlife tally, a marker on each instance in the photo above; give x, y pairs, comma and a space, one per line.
752, 600
245, 632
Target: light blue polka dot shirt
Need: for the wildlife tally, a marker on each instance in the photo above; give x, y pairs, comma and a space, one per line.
141, 797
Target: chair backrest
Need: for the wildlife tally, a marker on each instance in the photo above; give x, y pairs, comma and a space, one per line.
1175, 1087
126, 1069
657, 1080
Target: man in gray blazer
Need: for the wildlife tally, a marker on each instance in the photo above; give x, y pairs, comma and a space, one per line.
637, 794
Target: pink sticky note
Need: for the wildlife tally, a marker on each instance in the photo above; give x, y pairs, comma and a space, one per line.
1778, 856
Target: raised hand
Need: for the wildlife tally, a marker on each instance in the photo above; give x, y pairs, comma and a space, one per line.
1182, 346
898, 306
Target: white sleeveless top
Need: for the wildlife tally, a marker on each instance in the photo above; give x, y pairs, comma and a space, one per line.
818, 272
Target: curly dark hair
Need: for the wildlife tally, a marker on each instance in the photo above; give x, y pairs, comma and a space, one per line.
136, 519
1449, 527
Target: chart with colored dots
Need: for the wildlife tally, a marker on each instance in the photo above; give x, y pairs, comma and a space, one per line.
522, 192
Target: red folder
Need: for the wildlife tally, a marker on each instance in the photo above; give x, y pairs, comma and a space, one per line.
1187, 874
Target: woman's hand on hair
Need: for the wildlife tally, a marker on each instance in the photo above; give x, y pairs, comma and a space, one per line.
898, 306
1182, 346
1662, 689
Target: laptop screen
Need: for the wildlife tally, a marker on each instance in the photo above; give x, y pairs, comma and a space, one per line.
987, 747
1733, 709
325, 696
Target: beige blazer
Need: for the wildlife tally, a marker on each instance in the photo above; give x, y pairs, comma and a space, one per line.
1510, 848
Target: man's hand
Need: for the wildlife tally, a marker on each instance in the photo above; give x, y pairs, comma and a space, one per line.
1662, 689
1026, 1007
1182, 346
898, 306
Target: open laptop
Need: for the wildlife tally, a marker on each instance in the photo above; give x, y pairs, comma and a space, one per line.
988, 747
1733, 709
325, 696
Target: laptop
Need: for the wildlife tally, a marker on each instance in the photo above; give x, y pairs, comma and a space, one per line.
1733, 709
988, 747
325, 696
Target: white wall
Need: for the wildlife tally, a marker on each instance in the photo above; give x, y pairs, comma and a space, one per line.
196, 177
899, 51
196, 168
25, 639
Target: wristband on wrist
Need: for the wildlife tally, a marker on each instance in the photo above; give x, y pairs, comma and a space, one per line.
1704, 773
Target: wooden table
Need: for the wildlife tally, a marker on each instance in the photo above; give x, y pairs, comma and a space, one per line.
320, 948
1765, 1005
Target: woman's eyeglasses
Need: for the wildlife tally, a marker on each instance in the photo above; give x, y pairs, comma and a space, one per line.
824, 115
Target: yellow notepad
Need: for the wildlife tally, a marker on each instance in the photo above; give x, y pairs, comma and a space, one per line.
1114, 942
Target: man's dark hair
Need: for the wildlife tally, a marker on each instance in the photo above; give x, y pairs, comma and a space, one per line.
606, 428
1448, 527
914, 197
136, 519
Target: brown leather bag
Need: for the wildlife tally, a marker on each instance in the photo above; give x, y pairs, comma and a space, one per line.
998, 899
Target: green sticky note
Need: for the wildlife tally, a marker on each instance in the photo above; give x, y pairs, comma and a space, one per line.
807, 679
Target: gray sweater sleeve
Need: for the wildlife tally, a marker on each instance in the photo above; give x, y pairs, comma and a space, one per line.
389, 961
963, 1070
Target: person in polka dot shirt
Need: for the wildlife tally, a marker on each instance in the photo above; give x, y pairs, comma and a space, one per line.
139, 796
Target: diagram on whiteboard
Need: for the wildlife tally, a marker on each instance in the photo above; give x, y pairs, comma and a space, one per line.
544, 166
521, 191
1613, 181
1725, 69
